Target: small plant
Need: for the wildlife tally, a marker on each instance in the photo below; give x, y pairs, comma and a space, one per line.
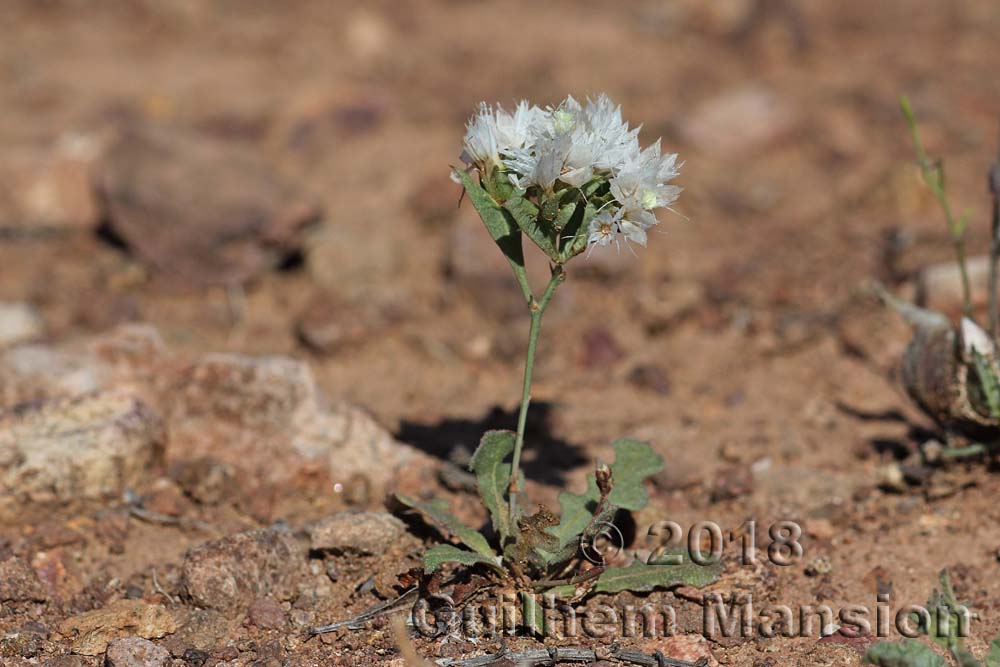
945, 626
572, 179
953, 372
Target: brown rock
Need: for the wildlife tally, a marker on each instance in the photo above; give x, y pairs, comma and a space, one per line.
650, 377
599, 348
358, 533
266, 415
732, 482
690, 648
228, 574
91, 632
202, 631
18, 582
939, 287
89, 447
198, 209
267, 614
136, 652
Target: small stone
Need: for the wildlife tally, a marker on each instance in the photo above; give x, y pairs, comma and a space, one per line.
136, 652
203, 631
690, 648
821, 529
90, 447
939, 287
599, 349
166, 498
206, 480
267, 614
18, 582
360, 533
326, 326
732, 482
19, 323
650, 377
20, 643
198, 209
229, 573
819, 566
891, 478
91, 632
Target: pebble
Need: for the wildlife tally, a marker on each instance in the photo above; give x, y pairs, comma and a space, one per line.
92, 631
267, 614
198, 209
356, 533
18, 582
90, 447
136, 652
230, 573
939, 286
19, 323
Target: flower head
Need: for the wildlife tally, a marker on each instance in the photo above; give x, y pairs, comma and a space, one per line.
545, 152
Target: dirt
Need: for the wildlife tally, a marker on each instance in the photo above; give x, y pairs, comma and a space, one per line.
743, 343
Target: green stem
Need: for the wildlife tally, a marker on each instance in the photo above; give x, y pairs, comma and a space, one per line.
537, 310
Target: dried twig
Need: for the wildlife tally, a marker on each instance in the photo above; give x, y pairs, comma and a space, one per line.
552, 656
358, 621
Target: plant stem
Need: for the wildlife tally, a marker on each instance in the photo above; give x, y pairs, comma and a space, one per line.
537, 309
994, 184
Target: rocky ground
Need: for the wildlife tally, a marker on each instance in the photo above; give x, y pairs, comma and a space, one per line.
239, 300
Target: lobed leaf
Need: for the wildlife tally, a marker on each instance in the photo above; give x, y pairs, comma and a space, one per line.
907, 653
493, 477
440, 554
634, 462
437, 511
640, 578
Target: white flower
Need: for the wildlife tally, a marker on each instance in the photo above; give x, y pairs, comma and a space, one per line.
480, 146
573, 144
492, 133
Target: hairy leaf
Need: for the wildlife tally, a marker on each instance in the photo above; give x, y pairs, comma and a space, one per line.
907, 653
437, 511
993, 657
634, 462
500, 225
640, 577
493, 476
577, 511
449, 553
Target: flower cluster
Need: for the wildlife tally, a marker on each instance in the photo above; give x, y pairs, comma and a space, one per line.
544, 152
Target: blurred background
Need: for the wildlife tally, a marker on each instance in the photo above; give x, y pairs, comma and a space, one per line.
274, 178
271, 178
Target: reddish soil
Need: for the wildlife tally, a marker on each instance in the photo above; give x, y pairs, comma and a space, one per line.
766, 368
